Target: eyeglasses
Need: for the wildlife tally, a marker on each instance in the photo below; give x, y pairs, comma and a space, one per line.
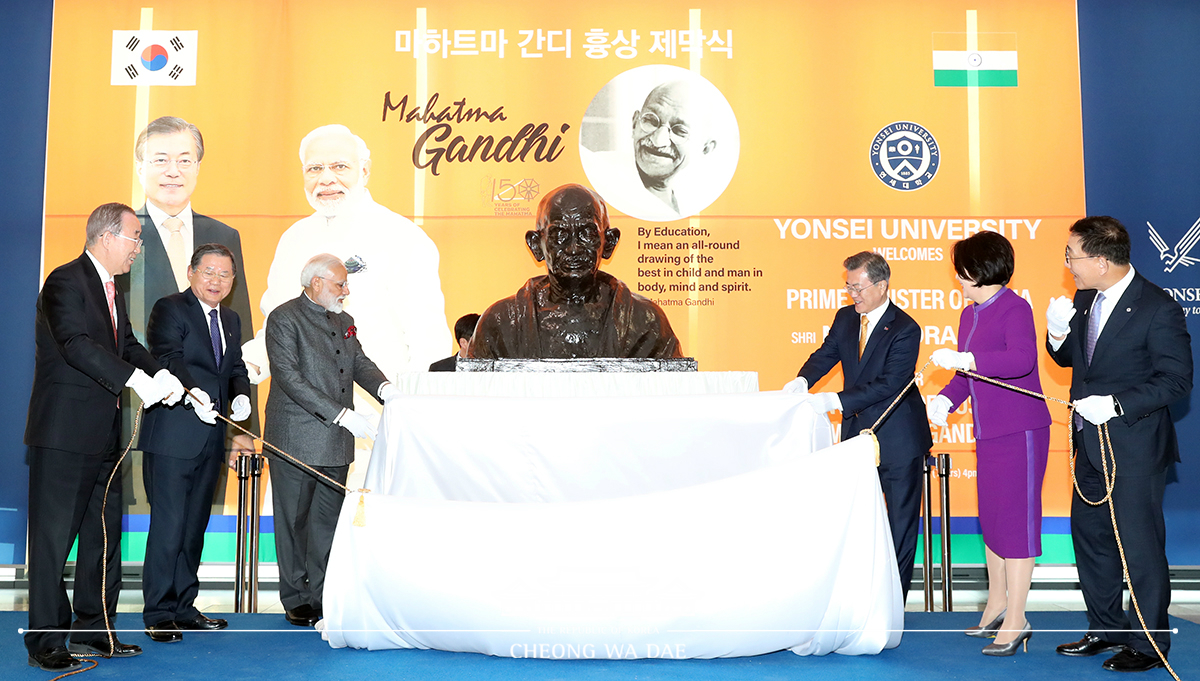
854, 288
340, 284
182, 164
127, 238
649, 123
210, 273
1067, 258
339, 168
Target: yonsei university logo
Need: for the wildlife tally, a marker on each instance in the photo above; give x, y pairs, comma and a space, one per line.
905, 156
1178, 256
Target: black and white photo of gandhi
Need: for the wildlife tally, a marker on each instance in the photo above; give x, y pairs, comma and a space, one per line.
659, 143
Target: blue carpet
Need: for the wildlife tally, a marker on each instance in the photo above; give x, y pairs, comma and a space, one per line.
246, 651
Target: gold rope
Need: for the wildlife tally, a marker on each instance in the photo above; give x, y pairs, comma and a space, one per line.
360, 514
1110, 481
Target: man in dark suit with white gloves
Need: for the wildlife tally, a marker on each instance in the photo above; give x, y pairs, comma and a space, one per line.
199, 340
86, 354
1130, 354
316, 358
877, 345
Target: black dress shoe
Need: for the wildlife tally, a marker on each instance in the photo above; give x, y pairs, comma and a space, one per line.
55, 659
1130, 660
99, 646
164, 632
1087, 646
202, 623
302, 616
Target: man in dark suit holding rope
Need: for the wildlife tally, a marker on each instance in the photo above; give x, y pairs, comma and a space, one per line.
86, 354
1131, 358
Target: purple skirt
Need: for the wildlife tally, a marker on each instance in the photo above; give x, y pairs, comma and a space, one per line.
1010, 470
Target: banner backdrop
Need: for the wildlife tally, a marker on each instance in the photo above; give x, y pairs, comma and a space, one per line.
800, 133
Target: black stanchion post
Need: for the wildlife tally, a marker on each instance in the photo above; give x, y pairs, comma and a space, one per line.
256, 473
239, 584
927, 519
943, 468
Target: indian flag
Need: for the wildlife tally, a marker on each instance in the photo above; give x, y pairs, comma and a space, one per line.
982, 68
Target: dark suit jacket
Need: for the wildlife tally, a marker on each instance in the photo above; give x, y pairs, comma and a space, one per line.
80, 370
178, 334
448, 364
1143, 357
887, 365
153, 271
315, 362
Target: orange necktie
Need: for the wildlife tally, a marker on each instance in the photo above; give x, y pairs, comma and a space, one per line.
862, 336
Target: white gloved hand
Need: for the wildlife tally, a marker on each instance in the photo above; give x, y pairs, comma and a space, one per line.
388, 392
172, 388
825, 402
1096, 409
257, 374
356, 423
202, 404
939, 410
949, 359
240, 409
796, 385
148, 390
1058, 316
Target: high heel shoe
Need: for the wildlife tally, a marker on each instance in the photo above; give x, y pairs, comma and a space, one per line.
1010, 648
988, 630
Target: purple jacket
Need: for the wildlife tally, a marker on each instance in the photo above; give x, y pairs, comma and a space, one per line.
1000, 334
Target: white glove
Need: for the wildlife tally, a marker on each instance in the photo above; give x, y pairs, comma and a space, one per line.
356, 423
796, 385
148, 390
1096, 409
254, 354
825, 402
949, 359
388, 392
1058, 316
202, 403
240, 409
172, 388
939, 410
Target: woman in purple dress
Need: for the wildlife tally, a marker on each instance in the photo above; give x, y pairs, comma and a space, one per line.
996, 338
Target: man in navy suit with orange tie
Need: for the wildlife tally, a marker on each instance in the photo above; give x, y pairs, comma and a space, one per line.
877, 345
199, 340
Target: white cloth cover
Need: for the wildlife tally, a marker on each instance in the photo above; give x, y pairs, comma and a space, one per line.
532, 449
520, 538
589, 384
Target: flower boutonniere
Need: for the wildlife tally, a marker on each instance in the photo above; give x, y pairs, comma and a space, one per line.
351, 332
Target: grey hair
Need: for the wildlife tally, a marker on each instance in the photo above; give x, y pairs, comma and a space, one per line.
168, 125
364, 154
106, 219
211, 249
318, 265
877, 267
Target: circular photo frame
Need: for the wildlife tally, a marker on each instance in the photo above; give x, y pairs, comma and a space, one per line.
659, 143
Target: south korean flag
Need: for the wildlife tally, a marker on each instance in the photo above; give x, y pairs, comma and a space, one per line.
154, 58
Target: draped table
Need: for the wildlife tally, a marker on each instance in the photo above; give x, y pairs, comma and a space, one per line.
614, 525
